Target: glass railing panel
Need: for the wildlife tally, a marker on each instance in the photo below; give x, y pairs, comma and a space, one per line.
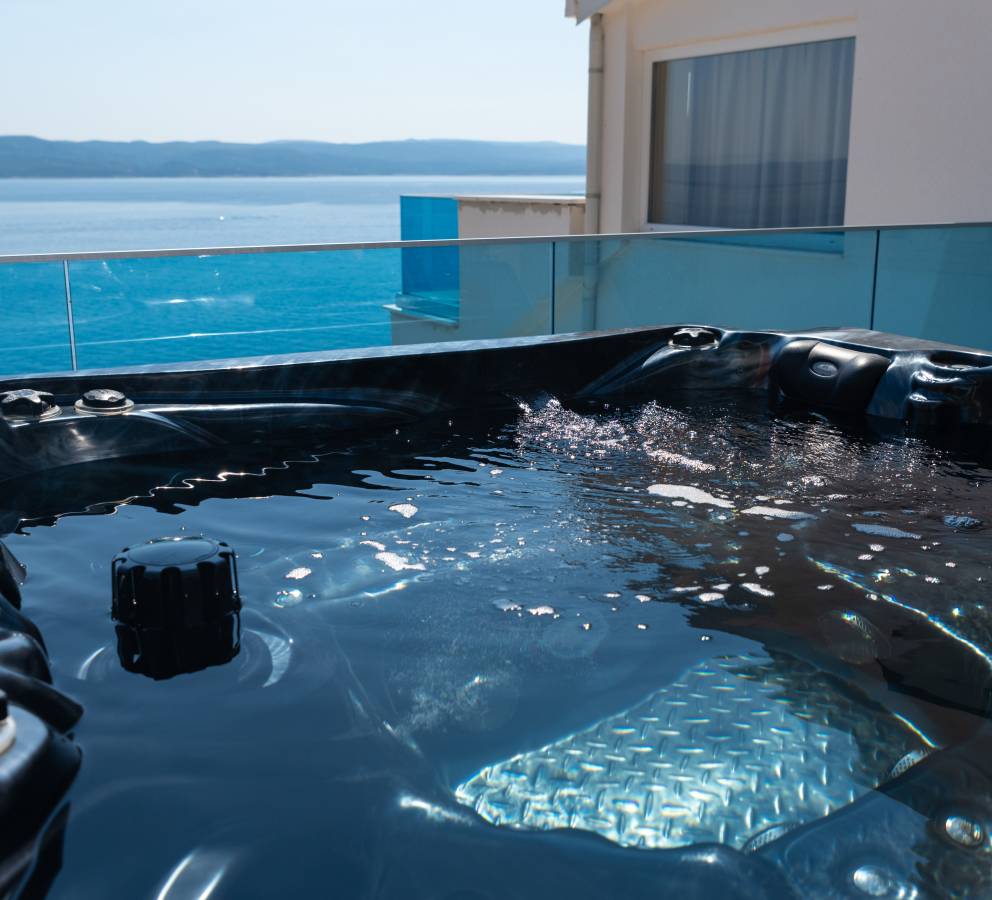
931, 283
182, 308
185, 308
763, 281
34, 336
501, 290
936, 283
431, 274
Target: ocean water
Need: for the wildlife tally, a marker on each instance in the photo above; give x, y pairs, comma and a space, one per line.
65, 215
129, 312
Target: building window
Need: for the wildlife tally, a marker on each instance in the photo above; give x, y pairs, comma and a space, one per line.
756, 139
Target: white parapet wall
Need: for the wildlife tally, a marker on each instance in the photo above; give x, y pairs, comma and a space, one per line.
519, 216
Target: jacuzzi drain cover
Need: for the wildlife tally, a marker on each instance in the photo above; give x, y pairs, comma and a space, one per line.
734, 747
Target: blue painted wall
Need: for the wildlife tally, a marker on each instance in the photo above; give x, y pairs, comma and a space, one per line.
432, 274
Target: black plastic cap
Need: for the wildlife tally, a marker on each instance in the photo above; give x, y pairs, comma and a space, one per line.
104, 398
176, 605
175, 583
694, 337
27, 404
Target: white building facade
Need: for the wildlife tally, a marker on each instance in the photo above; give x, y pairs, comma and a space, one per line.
774, 113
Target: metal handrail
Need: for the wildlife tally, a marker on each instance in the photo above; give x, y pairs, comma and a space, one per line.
695, 234
70, 319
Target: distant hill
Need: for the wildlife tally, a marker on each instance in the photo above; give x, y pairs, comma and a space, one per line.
30, 157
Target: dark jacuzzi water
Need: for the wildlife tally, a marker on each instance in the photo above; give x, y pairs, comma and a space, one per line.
530, 654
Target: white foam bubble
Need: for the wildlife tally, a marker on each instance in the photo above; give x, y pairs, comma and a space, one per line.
884, 531
541, 610
687, 492
679, 460
398, 563
777, 513
374, 544
507, 605
757, 589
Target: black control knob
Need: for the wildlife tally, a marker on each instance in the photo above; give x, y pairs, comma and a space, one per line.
176, 605
694, 337
103, 400
27, 404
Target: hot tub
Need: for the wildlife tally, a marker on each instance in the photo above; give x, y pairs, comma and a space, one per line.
677, 611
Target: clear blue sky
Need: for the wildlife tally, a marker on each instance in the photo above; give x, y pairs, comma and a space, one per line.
256, 70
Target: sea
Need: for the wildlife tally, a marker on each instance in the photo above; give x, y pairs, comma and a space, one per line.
130, 312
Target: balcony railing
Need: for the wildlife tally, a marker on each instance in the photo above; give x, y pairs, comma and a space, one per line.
95, 310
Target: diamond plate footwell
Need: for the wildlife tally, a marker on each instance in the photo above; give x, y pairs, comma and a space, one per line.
735, 747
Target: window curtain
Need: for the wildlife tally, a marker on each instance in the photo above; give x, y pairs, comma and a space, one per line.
756, 139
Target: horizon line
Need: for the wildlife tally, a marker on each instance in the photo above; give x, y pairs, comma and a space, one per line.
409, 140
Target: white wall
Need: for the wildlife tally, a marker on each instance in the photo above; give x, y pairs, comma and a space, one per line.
921, 120
921, 123
485, 217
